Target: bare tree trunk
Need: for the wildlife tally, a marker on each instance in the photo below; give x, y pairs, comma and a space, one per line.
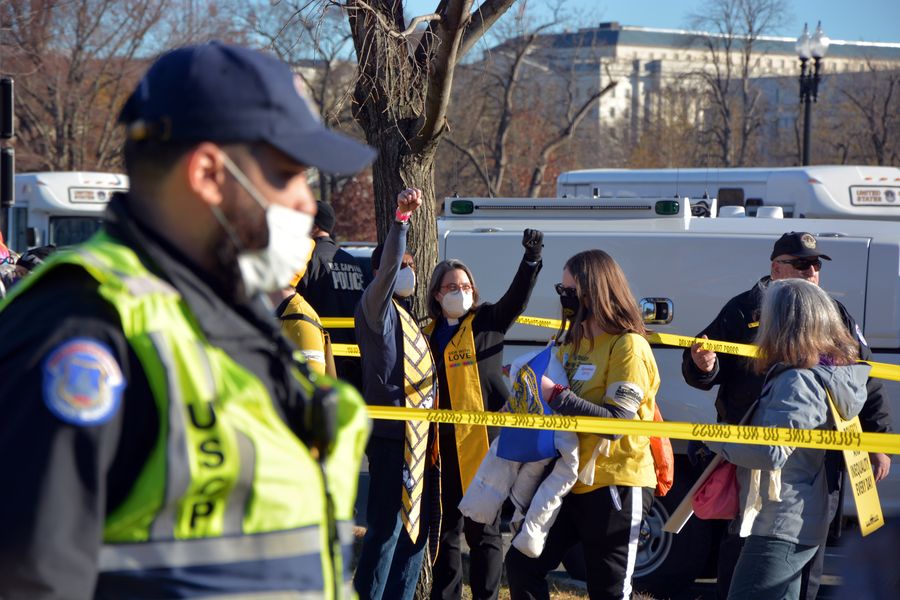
395, 170
401, 98
426, 577
726, 143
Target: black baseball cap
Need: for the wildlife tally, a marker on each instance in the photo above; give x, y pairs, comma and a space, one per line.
325, 218
797, 243
222, 93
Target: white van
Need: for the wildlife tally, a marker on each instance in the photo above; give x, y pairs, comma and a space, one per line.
61, 208
691, 266
848, 192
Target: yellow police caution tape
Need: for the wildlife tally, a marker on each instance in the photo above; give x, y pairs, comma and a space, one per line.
668, 339
888, 443
879, 370
345, 350
337, 322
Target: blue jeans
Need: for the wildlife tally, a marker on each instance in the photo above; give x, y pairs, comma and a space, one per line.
390, 562
769, 568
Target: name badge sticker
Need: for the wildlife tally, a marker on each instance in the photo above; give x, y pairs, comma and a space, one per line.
584, 372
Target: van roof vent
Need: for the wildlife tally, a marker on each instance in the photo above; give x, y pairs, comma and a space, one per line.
769, 212
731, 212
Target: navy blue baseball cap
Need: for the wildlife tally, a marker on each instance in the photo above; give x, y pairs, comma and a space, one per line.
222, 93
797, 243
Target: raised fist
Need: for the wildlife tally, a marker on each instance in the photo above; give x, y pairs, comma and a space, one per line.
533, 242
408, 201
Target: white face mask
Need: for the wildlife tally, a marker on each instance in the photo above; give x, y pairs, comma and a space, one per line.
271, 268
405, 286
456, 304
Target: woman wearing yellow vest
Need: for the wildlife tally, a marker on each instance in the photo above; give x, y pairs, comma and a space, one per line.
301, 324
612, 374
467, 341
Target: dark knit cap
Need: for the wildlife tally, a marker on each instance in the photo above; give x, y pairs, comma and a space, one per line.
324, 217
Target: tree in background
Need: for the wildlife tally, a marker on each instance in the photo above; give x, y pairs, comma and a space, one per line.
518, 108
735, 110
354, 209
873, 110
318, 45
669, 138
856, 120
402, 94
76, 61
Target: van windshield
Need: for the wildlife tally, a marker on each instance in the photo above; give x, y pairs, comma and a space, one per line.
67, 231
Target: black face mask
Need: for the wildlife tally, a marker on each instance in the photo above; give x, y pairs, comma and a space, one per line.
570, 305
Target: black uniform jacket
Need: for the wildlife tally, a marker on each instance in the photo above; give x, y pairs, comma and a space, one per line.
62, 478
489, 327
739, 385
333, 284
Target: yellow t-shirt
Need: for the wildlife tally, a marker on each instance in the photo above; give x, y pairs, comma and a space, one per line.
308, 338
619, 370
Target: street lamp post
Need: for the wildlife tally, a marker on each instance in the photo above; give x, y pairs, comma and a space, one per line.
808, 47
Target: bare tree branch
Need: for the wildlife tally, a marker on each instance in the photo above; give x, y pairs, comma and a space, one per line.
475, 163
486, 15
537, 177
415, 22
440, 77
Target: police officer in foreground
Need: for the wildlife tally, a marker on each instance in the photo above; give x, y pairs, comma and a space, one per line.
795, 255
157, 438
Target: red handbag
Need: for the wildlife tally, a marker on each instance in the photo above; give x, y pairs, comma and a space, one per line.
717, 497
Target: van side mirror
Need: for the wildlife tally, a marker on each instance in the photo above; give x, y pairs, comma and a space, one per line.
32, 238
657, 311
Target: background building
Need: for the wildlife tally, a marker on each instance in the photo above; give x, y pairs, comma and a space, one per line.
650, 63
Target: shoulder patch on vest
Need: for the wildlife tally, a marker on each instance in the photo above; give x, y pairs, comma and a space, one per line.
83, 383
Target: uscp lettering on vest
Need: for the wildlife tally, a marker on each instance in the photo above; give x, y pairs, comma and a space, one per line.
212, 489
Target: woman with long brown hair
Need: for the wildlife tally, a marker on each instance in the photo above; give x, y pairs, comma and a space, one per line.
808, 357
612, 373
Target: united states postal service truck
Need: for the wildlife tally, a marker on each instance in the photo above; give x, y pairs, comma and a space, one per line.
61, 208
821, 191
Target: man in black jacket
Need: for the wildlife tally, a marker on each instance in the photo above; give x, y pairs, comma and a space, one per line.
333, 285
795, 255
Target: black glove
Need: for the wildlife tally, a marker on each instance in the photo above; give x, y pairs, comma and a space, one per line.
533, 242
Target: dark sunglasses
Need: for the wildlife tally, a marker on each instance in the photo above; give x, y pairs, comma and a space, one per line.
565, 291
802, 264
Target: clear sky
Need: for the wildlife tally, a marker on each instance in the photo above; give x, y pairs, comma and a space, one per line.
854, 20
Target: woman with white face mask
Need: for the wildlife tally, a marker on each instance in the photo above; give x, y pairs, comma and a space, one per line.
467, 342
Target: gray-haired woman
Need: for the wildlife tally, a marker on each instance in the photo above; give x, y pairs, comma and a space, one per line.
804, 349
